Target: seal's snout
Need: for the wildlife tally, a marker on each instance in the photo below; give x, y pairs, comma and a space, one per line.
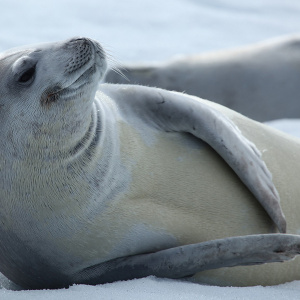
85, 64
84, 49
83, 42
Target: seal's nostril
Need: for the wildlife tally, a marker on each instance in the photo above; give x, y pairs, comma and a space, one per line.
75, 39
82, 40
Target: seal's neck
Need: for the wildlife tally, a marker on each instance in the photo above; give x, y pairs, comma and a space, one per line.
99, 141
88, 172
85, 145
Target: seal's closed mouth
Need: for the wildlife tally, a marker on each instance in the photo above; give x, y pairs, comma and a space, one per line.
84, 77
74, 90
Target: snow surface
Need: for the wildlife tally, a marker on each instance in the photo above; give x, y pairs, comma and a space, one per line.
290, 126
147, 30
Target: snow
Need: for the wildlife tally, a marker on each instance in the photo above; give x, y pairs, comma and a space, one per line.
153, 288
290, 126
148, 30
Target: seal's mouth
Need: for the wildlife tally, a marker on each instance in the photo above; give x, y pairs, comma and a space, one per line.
74, 90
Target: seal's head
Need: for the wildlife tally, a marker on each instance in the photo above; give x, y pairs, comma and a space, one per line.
47, 122
47, 92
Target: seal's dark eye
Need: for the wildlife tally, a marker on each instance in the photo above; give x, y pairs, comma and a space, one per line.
27, 75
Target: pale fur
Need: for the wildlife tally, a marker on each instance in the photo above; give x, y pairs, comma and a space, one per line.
203, 198
88, 179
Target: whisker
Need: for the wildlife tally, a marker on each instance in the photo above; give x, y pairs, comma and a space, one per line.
119, 72
114, 64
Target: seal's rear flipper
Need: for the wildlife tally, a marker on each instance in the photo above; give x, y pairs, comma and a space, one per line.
187, 260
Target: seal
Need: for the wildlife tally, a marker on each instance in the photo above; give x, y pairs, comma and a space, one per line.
259, 80
112, 182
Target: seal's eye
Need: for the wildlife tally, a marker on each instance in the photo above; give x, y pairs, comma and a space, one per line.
27, 75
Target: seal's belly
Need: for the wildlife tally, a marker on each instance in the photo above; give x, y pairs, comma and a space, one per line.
181, 186
182, 191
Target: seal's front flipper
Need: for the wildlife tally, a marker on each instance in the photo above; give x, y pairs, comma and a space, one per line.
187, 260
172, 111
